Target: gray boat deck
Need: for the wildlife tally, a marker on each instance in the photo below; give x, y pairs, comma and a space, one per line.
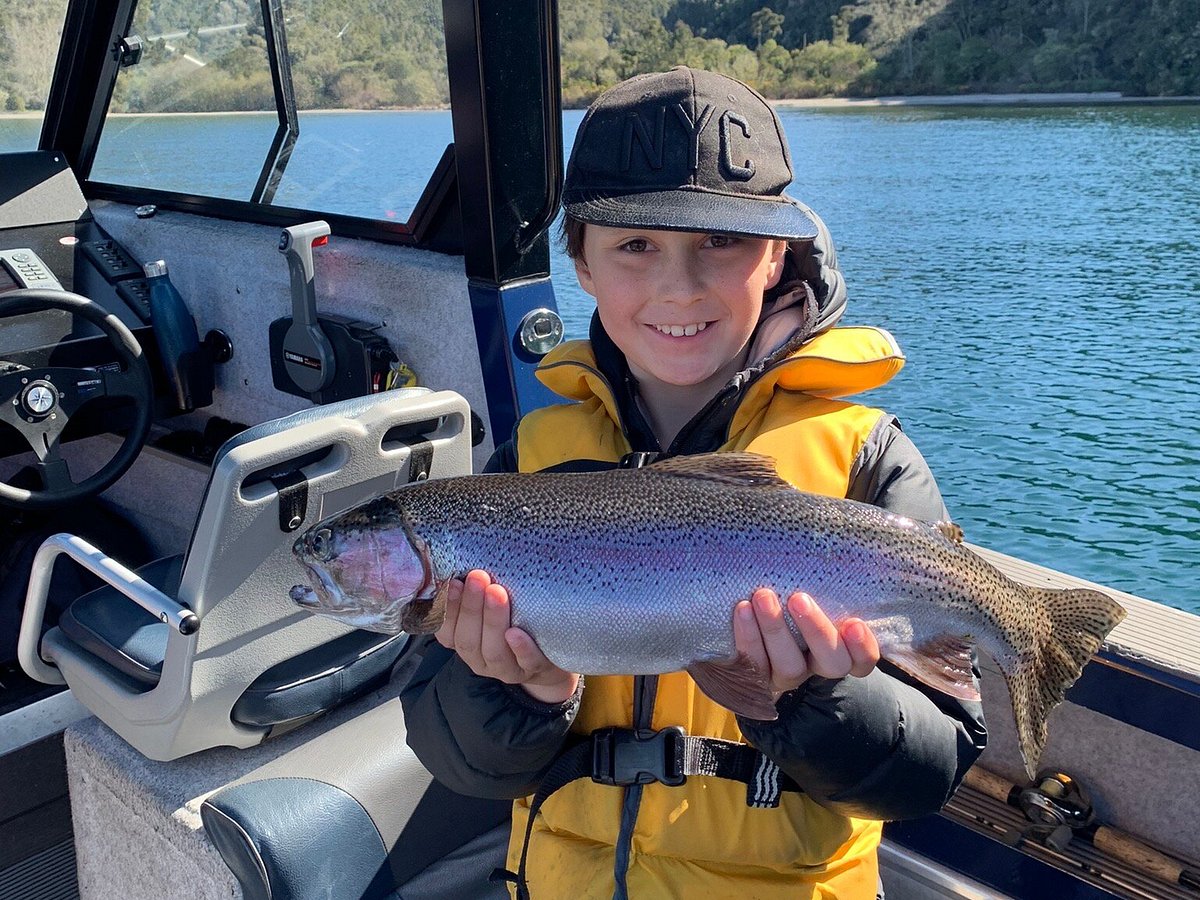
1161, 636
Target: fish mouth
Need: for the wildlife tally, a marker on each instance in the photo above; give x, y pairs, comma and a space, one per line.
304, 597
323, 596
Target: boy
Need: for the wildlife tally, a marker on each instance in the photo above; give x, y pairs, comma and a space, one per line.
715, 300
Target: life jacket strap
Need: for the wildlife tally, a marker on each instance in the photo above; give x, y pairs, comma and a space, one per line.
626, 756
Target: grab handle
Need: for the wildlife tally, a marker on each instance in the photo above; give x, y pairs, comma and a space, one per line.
106, 569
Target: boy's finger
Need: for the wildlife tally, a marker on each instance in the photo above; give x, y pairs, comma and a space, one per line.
787, 666
748, 639
525, 650
445, 634
496, 653
468, 629
862, 646
477, 580
826, 650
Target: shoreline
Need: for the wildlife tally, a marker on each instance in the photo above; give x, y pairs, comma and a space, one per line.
1099, 98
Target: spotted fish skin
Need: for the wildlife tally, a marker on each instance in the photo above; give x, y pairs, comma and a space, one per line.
637, 572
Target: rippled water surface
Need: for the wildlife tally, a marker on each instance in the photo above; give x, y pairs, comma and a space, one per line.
1041, 270
1040, 267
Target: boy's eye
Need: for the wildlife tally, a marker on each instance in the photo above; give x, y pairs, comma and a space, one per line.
721, 240
635, 245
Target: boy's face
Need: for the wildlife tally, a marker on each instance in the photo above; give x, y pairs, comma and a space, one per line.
681, 305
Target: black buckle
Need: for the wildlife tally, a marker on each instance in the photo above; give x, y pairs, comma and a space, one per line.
622, 756
638, 458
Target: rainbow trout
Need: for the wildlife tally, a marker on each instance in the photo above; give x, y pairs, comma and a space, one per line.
636, 572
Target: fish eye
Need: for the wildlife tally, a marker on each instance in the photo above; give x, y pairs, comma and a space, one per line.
322, 544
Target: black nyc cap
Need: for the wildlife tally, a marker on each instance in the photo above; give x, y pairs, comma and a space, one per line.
684, 150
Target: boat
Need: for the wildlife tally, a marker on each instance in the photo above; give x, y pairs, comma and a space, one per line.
170, 725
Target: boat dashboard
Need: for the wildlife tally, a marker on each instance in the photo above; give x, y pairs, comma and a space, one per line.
50, 240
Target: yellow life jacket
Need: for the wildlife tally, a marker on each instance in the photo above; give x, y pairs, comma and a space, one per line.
701, 839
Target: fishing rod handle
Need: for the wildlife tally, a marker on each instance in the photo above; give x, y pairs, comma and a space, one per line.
1153, 862
989, 783
1104, 838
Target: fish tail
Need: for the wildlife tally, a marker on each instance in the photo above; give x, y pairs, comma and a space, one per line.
1080, 619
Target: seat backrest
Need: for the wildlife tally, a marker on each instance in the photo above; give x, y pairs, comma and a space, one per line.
342, 454
267, 485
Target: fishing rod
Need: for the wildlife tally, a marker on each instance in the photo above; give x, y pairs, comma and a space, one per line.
1060, 810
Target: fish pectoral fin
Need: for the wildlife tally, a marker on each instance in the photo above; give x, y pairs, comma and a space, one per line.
426, 616
737, 685
943, 663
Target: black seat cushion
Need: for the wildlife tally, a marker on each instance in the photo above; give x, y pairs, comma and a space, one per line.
95, 521
332, 847
110, 626
319, 679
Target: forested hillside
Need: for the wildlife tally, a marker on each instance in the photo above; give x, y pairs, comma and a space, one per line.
26, 31
873, 47
207, 54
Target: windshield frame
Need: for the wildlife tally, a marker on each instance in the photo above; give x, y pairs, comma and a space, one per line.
89, 54
285, 103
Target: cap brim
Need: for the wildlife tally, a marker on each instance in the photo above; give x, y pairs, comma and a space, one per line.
681, 210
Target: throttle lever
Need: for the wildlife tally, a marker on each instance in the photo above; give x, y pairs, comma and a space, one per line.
308, 356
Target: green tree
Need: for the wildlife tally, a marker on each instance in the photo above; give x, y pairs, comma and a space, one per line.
765, 25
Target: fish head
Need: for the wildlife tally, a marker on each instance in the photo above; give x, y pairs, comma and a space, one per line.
366, 568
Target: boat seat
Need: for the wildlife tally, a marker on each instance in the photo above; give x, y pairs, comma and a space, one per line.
133, 642
320, 679
208, 649
130, 639
358, 795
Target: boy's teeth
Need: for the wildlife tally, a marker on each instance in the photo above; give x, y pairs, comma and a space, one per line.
682, 330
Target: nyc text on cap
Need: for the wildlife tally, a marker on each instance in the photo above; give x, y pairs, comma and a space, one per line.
684, 150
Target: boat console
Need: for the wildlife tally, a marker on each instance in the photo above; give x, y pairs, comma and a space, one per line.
49, 240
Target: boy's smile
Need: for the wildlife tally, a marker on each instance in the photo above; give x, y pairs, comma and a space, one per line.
681, 305
682, 330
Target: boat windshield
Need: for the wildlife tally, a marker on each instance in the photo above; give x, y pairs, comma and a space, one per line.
26, 68
337, 108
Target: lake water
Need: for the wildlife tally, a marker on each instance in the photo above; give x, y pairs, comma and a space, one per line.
1040, 267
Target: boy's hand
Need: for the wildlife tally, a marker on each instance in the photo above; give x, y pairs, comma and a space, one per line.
761, 633
477, 628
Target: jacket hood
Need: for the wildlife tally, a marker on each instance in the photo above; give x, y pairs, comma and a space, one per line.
809, 299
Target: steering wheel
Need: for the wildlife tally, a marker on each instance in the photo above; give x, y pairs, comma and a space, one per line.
40, 401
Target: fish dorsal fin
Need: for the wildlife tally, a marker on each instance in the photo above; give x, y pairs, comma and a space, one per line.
952, 531
742, 469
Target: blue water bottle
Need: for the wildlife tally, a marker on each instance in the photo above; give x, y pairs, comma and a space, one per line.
175, 330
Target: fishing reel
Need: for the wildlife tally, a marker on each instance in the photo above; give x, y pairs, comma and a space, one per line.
1056, 807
